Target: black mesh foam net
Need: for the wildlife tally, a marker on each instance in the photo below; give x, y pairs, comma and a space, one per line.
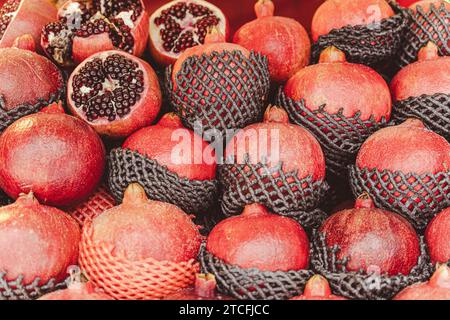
18, 290
416, 197
253, 284
282, 192
221, 90
424, 26
361, 285
433, 110
367, 44
340, 136
126, 167
7, 117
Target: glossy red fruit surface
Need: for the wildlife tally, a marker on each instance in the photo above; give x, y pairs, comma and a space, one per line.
373, 239
176, 147
115, 92
437, 237
56, 156
77, 290
317, 288
259, 239
283, 40
36, 241
338, 84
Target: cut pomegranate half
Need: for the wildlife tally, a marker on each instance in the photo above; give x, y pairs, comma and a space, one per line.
87, 27
115, 92
182, 24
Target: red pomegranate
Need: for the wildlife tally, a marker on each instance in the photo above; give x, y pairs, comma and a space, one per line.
373, 239
261, 240
182, 24
140, 228
24, 17
283, 40
426, 4
427, 76
317, 288
58, 157
203, 289
276, 140
36, 241
336, 14
177, 148
408, 148
406, 3
115, 92
437, 237
87, 27
437, 288
21, 69
338, 84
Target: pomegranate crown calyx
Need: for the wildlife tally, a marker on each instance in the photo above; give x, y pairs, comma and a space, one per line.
27, 199
317, 286
214, 35
171, 120
364, 201
428, 52
441, 277
254, 209
276, 114
332, 55
264, 8
134, 194
205, 285
413, 122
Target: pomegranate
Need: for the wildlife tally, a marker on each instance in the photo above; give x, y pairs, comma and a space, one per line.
24, 17
174, 146
21, 69
261, 240
337, 84
140, 228
115, 92
408, 148
182, 24
36, 241
58, 157
406, 3
438, 237
427, 76
278, 141
437, 288
87, 27
336, 14
317, 288
283, 40
204, 289
373, 239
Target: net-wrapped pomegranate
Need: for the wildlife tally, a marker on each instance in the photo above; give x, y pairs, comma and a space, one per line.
283, 40
373, 240
437, 288
56, 156
182, 24
317, 288
115, 92
141, 249
87, 27
20, 18
437, 236
21, 69
36, 241
203, 289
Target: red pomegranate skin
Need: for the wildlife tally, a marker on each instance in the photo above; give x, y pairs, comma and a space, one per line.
437, 288
140, 228
338, 84
408, 148
283, 40
336, 14
261, 240
36, 241
437, 237
24, 69
296, 147
428, 76
163, 141
77, 291
203, 289
317, 288
373, 239
57, 156
425, 4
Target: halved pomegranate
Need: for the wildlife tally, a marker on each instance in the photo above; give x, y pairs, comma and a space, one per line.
20, 17
115, 92
182, 24
87, 27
